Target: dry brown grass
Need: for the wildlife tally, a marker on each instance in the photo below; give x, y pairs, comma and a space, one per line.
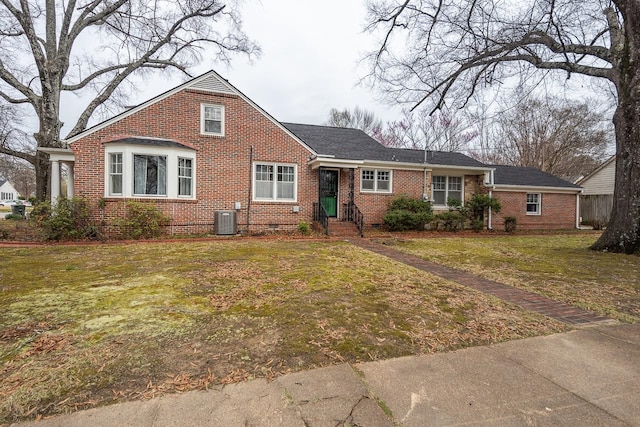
91, 325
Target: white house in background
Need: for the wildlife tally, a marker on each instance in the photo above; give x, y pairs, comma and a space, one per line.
601, 180
7, 191
596, 202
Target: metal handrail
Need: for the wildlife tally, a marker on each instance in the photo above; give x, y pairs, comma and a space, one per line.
320, 215
351, 212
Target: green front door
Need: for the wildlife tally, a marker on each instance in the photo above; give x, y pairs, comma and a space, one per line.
329, 191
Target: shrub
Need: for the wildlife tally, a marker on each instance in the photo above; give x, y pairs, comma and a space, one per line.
13, 216
142, 221
478, 205
405, 213
406, 203
304, 228
452, 220
510, 223
70, 219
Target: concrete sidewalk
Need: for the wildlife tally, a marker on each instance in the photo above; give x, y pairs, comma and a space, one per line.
584, 377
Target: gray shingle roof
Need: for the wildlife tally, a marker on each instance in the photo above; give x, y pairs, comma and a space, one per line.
518, 175
354, 144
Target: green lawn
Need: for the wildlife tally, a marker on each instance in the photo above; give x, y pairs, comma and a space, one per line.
89, 325
560, 267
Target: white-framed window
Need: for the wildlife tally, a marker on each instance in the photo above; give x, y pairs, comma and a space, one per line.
212, 120
149, 175
533, 203
115, 174
444, 188
185, 177
6, 196
377, 180
275, 182
138, 170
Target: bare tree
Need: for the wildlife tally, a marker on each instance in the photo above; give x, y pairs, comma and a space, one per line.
359, 118
433, 51
562, 138
50, 47
17, 169
441, 131
19, 173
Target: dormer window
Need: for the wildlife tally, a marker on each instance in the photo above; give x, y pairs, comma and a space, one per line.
212, 120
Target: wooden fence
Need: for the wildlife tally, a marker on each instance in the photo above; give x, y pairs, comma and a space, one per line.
596, 209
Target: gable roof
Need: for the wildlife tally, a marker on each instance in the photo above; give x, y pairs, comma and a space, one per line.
354, 144
207, 82
528, 177
2, 181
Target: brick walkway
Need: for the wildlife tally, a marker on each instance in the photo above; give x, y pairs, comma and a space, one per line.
528, 300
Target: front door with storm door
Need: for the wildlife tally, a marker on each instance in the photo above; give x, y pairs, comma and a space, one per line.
329, 191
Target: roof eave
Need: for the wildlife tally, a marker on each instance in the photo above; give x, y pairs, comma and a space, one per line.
59, 154
539, 188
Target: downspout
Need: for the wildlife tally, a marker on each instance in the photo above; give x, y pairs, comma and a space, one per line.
491, 187
578, 210
424, 186
489, 224
250, 186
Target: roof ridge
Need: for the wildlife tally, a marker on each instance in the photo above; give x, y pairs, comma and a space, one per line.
322, 126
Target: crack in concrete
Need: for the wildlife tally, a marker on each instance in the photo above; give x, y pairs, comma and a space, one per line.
349, 418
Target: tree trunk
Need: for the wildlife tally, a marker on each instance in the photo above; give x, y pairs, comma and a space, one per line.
42, 176
623, 231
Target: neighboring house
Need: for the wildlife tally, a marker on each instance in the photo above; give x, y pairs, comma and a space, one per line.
204, 147
7, 191
535, 198
597, 196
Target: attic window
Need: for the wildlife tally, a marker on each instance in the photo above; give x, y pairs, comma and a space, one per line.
212, 120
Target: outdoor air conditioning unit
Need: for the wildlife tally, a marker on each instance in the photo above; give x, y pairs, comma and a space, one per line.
225, 222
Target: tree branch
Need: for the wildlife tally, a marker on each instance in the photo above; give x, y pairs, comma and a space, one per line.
145, 61
31, 158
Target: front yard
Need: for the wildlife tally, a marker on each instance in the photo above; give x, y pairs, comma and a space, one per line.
559, 267
89, 325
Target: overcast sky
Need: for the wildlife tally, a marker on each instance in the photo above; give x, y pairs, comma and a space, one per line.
309, 61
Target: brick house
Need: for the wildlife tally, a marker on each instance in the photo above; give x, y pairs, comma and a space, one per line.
536, 199
205, 147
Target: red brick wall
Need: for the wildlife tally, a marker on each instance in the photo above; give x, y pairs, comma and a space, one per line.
374, 205
558, 211
223, 174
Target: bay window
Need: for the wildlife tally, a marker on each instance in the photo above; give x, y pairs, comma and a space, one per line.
149, 170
